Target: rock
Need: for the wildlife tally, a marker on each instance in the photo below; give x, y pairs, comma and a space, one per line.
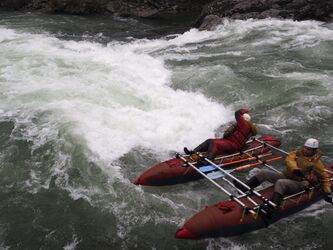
14, 4
77, 7
117, 9
321, 10
210, 22
147, 13
269, 13
136, 8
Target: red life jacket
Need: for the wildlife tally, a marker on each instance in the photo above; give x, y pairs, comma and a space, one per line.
243, 130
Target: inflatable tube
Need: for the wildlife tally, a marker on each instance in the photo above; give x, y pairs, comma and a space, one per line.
226, 218
173, 171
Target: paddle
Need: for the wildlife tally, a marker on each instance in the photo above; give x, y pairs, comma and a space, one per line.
215, 175
208, 168
315, 186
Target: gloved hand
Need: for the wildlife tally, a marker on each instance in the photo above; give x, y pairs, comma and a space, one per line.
328, 197
297, 171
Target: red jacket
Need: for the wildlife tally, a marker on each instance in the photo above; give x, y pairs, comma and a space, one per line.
244, 129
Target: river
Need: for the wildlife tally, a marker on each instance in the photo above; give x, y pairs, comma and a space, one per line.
89, 103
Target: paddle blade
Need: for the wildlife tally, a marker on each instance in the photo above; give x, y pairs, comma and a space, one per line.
218, 174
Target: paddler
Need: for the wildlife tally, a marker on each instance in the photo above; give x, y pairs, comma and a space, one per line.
302, 165
233, 139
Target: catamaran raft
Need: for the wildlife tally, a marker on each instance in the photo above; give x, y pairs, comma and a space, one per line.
241, 213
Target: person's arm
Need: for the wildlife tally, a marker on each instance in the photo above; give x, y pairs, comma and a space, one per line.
240, 112
241, 123
291, 161
253, 128
324, 177
291, 165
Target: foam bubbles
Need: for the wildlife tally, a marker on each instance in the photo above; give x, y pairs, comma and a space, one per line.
115, 98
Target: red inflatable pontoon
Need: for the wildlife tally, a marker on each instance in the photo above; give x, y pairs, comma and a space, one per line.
174, 172
227, 218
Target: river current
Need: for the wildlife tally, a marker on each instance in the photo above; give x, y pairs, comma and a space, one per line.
89, 103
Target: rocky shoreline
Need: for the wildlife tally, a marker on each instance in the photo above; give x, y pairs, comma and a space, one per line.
206, 14
133, 8
298, 10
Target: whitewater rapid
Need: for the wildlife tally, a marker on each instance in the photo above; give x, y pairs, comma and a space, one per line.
120, 96
114, 97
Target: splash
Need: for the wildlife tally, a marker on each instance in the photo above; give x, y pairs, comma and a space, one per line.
113, 98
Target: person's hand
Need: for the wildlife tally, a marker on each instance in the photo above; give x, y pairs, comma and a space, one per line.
297, 171
328, 197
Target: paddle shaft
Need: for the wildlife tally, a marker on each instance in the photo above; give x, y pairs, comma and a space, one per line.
314, 185
246, 159
212, 168
252, 165
239, 153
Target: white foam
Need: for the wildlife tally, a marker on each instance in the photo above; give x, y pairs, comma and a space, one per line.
3, 246
284, 33
224, 243
287, 34
271, 128
115, 98
72, 245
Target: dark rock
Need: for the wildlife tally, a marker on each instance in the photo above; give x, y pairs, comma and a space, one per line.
211, 22
135, 8
321, 10
77, 6
147, 13
269, 13
14, 4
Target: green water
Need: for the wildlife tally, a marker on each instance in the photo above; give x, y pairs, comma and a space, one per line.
87, 104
